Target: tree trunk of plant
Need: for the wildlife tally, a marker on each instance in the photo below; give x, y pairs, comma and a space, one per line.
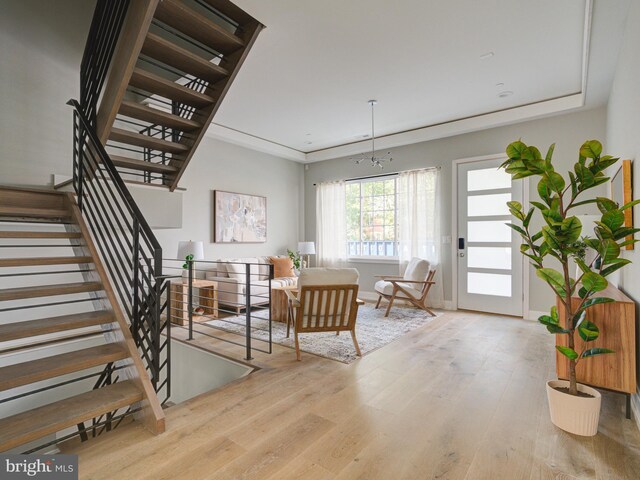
573, 383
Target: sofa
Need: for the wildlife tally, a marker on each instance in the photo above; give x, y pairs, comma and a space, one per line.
230, 273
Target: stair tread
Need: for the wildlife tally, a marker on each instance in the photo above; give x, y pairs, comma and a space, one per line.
33, 261
42, 326
27, 426
153, 83
132, 163
30, 234
11, 211
48, 290
164, 50
19, 374
197, 26
141, 140
157, 117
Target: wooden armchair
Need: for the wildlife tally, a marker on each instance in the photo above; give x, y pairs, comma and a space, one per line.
326, 302
414, 286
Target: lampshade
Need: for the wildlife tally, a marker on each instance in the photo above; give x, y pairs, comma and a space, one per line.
191, 248
306, 248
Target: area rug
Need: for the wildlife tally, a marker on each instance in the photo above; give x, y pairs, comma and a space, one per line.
373, 331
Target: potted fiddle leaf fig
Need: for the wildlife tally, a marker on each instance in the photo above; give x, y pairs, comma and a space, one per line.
553, 250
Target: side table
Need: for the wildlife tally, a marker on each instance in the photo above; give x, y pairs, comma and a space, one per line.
205, 296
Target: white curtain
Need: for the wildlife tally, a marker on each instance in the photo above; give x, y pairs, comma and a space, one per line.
331, 224
419, 220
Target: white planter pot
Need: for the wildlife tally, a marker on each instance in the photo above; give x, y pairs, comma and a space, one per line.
577, 415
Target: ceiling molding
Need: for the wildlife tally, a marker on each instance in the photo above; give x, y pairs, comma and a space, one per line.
236, 137
457, 127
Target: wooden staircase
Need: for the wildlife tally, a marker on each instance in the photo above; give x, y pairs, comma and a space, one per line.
40, 222
174, 63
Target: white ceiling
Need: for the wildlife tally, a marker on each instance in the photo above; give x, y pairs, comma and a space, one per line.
306, 83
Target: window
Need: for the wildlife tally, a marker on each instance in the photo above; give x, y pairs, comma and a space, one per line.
371, 218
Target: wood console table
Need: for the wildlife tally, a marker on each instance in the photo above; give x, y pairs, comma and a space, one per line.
617, 323
205, 295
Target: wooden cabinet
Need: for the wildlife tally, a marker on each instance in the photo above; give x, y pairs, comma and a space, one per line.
205, 295
617, 324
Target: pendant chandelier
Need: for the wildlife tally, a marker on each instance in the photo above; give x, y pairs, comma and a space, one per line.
372, 159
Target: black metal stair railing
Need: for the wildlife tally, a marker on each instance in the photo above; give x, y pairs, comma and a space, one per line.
129, 249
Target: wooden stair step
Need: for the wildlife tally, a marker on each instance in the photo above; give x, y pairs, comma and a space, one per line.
30, 262
156, 116
43, 326
33, 212
29, 234
164, 50
153, 83
38, 422
124, 162
19, 374
141, 140
179, 16
21, 293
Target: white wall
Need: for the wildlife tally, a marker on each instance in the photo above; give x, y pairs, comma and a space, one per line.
568, 131
218, 165
623, 139
41, 45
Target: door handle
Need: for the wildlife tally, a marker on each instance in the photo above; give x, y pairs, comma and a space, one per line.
460, 243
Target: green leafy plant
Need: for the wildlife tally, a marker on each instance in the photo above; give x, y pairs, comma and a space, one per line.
560, 240
188, 258
295, 258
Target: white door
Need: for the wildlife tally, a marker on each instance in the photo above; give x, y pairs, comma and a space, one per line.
489, 259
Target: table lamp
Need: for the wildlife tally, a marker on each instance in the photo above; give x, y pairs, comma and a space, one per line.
191, 248
306, 249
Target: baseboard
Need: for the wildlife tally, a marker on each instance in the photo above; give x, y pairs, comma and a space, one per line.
369, 296
534, 314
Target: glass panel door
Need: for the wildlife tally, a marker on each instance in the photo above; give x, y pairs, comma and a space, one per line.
489, 261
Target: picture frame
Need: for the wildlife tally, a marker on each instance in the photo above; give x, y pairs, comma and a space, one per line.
239, 217
621, 192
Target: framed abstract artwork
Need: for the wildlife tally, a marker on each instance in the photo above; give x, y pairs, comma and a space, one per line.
239, 218
622, 193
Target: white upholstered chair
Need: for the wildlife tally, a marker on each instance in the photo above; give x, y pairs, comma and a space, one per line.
327, 301
413, 286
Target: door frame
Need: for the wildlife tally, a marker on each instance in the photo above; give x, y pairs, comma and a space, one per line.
454, 232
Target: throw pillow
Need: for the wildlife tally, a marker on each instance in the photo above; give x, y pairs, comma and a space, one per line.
282, 267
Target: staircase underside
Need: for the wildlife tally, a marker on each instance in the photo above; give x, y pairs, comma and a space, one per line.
177, 62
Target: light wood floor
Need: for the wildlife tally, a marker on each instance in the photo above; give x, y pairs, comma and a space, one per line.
461, 398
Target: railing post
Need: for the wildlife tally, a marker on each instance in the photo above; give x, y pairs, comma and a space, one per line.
248, 312
157, 287
135, 304
80, 164
168, 366
271, 269
190, 299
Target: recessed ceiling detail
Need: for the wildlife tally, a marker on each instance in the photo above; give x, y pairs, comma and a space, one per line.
429, 63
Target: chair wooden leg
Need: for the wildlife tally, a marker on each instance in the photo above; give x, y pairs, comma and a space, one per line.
379, 299
355, 343
393, 297
298, 356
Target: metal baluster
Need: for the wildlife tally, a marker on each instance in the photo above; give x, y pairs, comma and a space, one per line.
248, 313
190, 296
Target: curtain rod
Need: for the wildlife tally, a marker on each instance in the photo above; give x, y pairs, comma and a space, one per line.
388, 174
